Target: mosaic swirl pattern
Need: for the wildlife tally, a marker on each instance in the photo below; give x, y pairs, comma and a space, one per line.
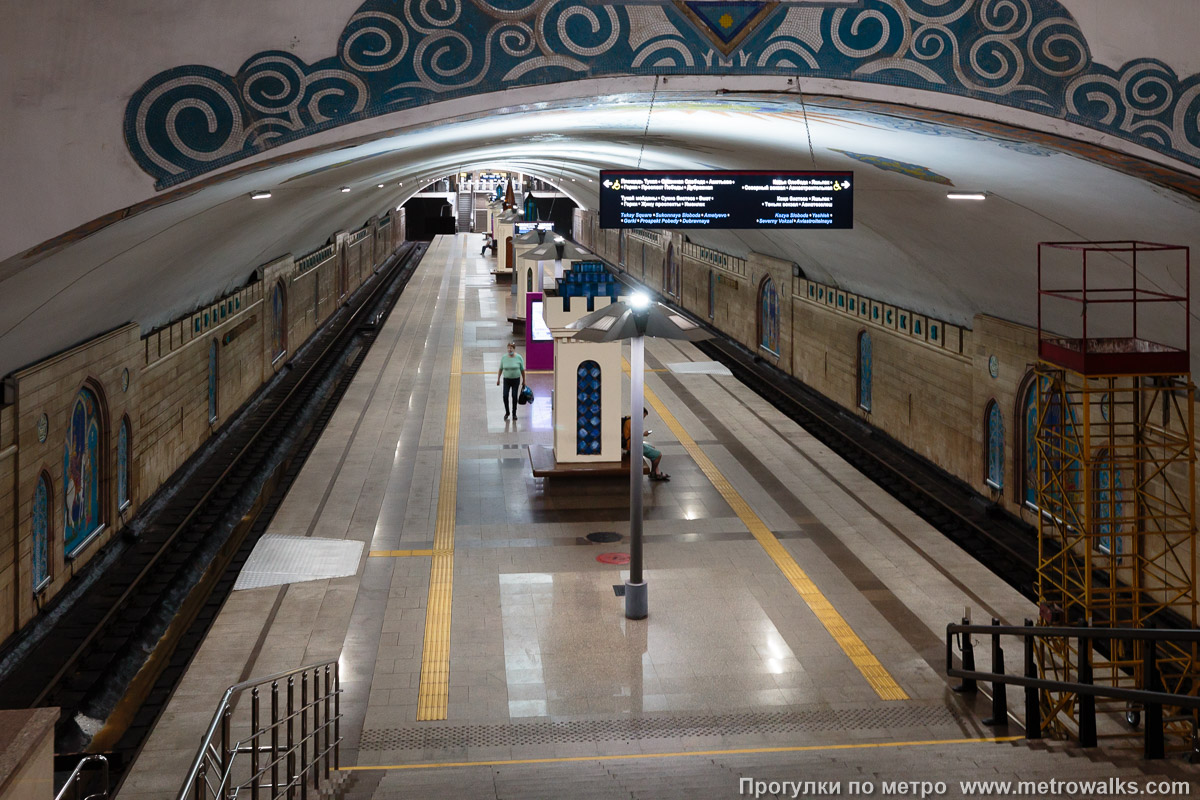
1028, 54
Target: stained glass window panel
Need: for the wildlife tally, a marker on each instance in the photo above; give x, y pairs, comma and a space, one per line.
81, 472
41, 533
278, 321
123, 464
864, 371
1030, 449
768, 324
1109, 497
213, 376
995, 446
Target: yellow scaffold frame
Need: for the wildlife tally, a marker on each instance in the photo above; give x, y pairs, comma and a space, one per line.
1116, 520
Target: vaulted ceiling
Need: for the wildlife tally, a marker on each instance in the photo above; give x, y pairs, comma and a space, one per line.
910, 244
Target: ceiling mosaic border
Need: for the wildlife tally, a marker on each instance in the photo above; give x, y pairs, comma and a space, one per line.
399, 54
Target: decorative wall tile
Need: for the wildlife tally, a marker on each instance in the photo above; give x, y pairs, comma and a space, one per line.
920, 326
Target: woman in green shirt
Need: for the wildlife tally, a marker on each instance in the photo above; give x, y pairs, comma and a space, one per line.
512, 370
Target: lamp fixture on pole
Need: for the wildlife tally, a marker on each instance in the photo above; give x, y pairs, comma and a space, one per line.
635, 319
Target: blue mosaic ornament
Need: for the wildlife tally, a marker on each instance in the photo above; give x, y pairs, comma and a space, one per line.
1027, 54
587, 414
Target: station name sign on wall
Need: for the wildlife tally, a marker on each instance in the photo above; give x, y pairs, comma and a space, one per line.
726, 199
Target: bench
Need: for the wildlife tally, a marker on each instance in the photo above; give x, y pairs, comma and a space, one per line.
541, 459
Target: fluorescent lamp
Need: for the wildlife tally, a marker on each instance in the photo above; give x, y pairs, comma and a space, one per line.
260, 195
381, 186
344, 189
966, 195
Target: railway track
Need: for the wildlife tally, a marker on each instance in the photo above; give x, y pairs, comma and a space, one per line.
1001, 541
125, 640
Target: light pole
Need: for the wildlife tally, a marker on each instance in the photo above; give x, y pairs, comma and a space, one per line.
637, 602
635, 319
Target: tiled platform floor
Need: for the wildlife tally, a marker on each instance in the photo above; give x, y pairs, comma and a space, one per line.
538, 636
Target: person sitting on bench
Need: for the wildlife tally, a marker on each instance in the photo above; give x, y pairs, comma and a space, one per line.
648, 450
488, 242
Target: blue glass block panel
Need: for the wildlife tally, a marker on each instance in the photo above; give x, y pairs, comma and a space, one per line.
587, 408
206, 318
841, 301
196, 326
852, 304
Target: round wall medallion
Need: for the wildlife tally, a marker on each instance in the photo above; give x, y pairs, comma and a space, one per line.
993, 366
125, 379
1104, 406
43, 428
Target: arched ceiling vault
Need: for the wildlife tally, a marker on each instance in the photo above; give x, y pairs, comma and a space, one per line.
1072, 129
910, 245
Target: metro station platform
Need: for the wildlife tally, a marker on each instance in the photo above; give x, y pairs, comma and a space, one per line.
797, 611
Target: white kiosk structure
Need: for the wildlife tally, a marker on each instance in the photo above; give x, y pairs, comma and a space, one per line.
587, 389
505, 232
530, 275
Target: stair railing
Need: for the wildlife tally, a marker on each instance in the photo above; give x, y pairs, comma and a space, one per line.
289, 745
1151, 696
71, 789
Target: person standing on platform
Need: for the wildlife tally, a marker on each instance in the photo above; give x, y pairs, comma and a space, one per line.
512, 372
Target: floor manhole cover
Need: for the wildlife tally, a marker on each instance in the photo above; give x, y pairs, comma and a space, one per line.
613, 558
604, 537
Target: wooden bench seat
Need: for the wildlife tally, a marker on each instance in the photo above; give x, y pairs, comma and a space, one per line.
541, 459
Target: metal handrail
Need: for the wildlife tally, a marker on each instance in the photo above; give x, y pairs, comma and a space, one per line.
73, 780
305, 760
1151, 696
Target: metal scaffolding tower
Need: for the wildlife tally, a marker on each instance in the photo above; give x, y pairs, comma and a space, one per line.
1115, 460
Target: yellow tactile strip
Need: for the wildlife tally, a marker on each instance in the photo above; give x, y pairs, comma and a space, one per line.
399, 553
434, 691
858, 653
686, 754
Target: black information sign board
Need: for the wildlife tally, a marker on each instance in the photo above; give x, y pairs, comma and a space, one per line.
726, 199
